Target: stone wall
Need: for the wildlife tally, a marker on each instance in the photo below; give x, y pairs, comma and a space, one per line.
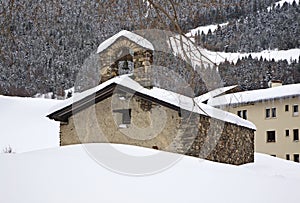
162, 128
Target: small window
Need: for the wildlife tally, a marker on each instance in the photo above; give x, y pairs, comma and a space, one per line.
295, 110
273, 112
271, 136
296, 158
296, 134
242, 114
274, 155
245, 114
125, 118
268, 113
287, 133
286, 108
287, 156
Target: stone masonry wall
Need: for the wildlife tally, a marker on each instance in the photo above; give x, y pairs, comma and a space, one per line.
162, 128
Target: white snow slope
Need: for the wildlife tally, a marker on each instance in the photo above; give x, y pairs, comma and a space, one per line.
24, 126
69, 174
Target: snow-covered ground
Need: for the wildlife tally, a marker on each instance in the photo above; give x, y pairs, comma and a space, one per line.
69, 174
73, 174
24, 126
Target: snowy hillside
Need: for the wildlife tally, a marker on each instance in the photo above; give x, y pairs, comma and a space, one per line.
219, 57
280, 3
24, 126
69, 174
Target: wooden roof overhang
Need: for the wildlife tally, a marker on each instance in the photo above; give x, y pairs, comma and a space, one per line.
65, 113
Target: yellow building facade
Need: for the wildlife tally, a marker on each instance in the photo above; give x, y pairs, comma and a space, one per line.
275, 112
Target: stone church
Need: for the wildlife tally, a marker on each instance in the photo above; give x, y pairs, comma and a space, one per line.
127, 108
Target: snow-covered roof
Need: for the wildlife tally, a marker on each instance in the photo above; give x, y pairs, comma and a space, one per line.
178, 100
129, 35
213, 93
256, 95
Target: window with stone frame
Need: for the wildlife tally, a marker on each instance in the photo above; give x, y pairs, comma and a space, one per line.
123, 117
271, 112
295, 110
296, 134
268, 113
286, 108
271, 136
287, 132
242, 114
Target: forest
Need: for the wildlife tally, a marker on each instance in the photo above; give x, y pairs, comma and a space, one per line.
45, 44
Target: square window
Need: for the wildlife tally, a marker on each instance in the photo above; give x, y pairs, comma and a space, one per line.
287, 156
287, 133
286, 108
239, 113
296, 134
271, 136
268, 113
296, 158
273, 112
123, 117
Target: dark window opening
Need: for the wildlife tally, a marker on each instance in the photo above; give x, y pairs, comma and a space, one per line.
296, 158
286, 107
287, 156
245, 114
296, 134
239, 113
273, 112
273, 155
295, 110
268, 113
271, 136
287, 133
242, 114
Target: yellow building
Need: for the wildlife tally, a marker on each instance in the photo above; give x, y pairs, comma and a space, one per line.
275, 112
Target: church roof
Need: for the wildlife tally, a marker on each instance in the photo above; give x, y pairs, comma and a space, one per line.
173, 100
137, 39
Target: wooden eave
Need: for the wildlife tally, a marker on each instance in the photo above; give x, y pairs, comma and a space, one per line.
65, 113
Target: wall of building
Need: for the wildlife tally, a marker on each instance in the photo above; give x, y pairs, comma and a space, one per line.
162, 128
284, 120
